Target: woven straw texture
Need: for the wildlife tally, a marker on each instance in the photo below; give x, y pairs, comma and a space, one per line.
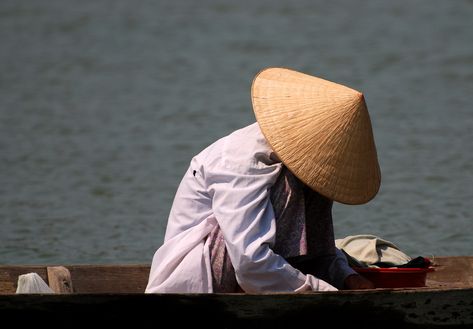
321, 131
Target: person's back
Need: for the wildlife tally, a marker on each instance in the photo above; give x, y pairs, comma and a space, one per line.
244, 151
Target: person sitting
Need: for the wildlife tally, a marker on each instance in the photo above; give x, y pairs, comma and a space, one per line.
253, 212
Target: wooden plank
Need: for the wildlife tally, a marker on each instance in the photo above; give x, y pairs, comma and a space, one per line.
59, 279
104, 298
353, 309
109, 278
453, 270
450, 272
85, 278
9, 276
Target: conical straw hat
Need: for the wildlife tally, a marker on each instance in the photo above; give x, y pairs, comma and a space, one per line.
321, 131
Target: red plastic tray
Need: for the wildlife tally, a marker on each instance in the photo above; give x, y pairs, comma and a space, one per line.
393, 277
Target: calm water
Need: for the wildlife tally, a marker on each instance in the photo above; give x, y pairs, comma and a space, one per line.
103, 104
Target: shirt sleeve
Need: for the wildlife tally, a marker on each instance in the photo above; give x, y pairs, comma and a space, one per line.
242, 207
339, 269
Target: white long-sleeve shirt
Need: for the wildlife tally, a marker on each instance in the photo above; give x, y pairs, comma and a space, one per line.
228, 184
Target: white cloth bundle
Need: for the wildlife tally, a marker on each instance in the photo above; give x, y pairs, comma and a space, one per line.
32, 283
367, 250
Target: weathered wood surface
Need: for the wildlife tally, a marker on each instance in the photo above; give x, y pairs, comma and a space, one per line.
449, 272
86, 279
59, 279
113, 295
376, 308
9, 276
452, 271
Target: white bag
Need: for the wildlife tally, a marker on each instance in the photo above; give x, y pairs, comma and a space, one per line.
32, 283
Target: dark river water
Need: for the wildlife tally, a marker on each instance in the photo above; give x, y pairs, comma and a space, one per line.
104, 103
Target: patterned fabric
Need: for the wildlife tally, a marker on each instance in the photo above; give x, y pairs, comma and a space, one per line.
223, 273
304, 233
287, 198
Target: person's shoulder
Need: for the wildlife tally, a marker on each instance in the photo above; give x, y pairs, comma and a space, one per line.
246, 150
249, 134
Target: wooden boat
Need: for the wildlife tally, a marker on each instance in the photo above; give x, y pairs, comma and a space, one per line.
113, 295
